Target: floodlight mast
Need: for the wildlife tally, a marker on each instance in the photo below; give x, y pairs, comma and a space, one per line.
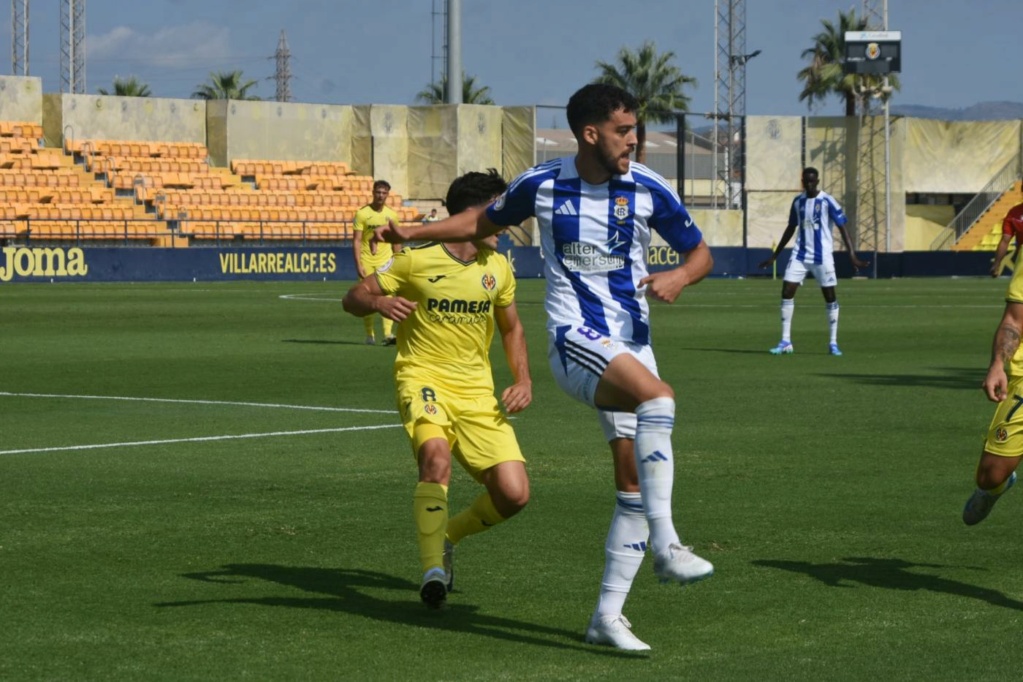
19, 37
72, 46
730, 59
866, 56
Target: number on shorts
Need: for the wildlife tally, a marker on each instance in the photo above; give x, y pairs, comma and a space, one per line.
589, 333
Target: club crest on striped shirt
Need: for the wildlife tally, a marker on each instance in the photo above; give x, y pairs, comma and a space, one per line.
621, 208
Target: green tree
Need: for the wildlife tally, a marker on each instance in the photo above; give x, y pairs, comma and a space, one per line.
437, 92
127, 87
226, 85
824, 75
654, 81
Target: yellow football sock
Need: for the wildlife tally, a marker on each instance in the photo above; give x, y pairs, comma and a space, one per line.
367, 322
388, 325
480, 516
1000, 488
430, 510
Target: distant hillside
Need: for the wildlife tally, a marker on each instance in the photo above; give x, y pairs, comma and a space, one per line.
983, 111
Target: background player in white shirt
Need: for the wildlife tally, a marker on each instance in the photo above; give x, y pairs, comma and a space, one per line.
595, 212
814, 213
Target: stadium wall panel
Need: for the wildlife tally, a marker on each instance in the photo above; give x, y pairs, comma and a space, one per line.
88, 264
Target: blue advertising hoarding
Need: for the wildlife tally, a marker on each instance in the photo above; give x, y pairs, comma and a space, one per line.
87, 264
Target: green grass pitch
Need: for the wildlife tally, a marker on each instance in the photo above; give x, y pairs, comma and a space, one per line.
209, 525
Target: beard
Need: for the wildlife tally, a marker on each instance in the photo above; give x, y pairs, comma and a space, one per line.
613, 164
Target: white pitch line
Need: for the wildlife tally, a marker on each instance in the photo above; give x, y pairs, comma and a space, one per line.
308, 297
201, 439
194, 402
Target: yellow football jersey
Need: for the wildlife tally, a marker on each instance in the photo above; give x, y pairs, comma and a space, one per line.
447, 338
367, 220
1015, 295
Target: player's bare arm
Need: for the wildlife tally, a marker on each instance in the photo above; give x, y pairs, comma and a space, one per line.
668, 285
470, 224
785, 237
1006, 342
1000, 251
366, 298
519, 395
857, 263
356, 253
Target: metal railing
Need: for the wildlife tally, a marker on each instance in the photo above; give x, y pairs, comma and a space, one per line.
978, 205
143, 232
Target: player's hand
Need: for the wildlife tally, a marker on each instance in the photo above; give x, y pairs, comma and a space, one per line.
395, 307
666, 285
860, 264
389, 233
994, 270
517, 397
766, 263
996, 384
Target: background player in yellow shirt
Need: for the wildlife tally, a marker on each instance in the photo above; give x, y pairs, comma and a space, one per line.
1003, 447
446, 299
367, 219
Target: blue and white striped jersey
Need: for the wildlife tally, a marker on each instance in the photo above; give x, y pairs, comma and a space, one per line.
594, 241
815, 219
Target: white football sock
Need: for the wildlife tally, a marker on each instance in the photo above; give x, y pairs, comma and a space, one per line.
788, 306
833, 320
656, 465
626, 544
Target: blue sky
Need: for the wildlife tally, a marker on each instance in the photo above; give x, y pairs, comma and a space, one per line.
955, 54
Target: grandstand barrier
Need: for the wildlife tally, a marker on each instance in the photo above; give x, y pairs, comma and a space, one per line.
23, 263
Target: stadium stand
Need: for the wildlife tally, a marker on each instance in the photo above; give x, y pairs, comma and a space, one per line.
47, 198
167, 193
987, 230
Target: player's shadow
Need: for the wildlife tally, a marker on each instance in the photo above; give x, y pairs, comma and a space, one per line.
891, 574
349, 591
325, 342
953, 378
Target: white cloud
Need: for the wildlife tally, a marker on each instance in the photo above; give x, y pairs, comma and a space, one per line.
184, 46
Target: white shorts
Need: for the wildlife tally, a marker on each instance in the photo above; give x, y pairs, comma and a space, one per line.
824, 273
578, 357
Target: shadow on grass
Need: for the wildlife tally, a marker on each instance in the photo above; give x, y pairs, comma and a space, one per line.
954, 378
344, 590
892, 574
325, 342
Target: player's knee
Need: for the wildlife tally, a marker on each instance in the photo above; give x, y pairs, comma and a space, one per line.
434, 463
512, 499
991, 473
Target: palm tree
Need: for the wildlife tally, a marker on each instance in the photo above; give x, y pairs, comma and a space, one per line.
825, 76
129, 87
654, 81
437, 92
225, 85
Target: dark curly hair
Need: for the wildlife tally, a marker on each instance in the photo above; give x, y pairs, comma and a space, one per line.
594, 103
474, 189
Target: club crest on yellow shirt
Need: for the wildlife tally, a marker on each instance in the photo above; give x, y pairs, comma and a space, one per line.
1001, 435
488, 282
430, 408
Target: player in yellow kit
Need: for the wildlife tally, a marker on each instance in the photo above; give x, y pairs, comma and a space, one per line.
1003, 446
446, 299
368, 218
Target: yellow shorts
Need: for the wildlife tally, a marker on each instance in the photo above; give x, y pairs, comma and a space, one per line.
1005, 434
479, 434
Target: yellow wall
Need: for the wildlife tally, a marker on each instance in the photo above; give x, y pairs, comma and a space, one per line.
924, 224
